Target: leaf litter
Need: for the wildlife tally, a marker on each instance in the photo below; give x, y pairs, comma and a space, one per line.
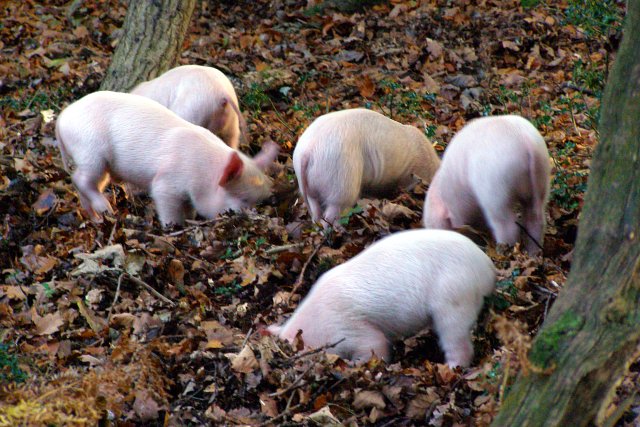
125, 322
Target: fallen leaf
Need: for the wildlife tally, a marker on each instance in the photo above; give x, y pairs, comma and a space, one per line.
13, 292
176, 272
243, 362
96, 262
48, 324
96, 323
214, 344
366, 87
268, 405
145, 407
369, 399
324, 418
34, 261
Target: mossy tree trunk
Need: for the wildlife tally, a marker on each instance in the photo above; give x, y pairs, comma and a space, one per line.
151, 42
593, 330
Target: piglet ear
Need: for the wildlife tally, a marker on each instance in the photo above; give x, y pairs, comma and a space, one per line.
232, 170
267, 155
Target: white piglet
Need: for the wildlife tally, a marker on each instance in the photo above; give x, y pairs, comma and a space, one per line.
346, 154
201, 95
138, 141
395, 288
489, 168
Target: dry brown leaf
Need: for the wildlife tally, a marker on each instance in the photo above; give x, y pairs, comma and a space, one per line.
214, 344
45, 202
97, 324
366, 87
13, 292
325, 418
434, 48
145, 407
33, 259
268, 405
419, 405
369, 399
244, 362
215, 331
176, 271
48, 324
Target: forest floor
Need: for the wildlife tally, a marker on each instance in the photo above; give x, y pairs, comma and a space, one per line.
125, 322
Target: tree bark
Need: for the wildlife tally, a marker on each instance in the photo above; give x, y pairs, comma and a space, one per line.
593, 330
151, 43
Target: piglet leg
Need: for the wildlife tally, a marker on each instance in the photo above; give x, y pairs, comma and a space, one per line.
87, 181
169, 205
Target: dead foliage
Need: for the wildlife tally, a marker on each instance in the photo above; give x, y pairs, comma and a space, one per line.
125, 322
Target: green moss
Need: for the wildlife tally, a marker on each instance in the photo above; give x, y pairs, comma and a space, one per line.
553, 337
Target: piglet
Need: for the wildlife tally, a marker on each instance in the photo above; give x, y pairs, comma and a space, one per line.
201, 95
395, 288
490, 166
138, 141
346, 154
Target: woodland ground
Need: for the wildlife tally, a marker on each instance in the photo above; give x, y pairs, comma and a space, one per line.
84, 337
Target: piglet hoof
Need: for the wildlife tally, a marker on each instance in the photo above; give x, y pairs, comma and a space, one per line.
96, 218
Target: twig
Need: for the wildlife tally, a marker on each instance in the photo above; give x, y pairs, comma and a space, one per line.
276, 249
115, 299
149, 288
315, 350
545, 290
247, 338
523, 228
571, 85
304, 268
112, 234
188, 255
280, 119
192, 227
281, 415
293, 385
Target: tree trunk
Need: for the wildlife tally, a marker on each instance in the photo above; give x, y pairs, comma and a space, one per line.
593, 330
151, 42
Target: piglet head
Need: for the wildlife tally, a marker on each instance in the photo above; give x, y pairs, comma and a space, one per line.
244, 180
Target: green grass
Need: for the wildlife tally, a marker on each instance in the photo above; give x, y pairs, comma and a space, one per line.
596, 18
256, 98
344, 220
9, 369
506, 288
398, 101
230, 290
38, 101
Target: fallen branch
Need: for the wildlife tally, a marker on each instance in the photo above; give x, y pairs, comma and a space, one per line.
276, 249
573, 86
195, 226
293, 385
149, 288
315, 350
246, 338
281, 415
115, 299
298, 282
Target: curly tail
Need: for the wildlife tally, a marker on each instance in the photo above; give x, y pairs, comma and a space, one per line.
304, 189
63, 151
